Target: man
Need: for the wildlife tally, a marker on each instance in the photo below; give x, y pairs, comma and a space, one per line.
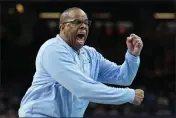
69, 75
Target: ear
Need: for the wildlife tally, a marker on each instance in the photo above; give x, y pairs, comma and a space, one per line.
61, 27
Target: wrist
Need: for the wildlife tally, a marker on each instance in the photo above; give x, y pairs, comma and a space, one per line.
131, 95
133, 54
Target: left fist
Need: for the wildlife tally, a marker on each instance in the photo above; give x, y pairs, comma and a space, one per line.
134, 44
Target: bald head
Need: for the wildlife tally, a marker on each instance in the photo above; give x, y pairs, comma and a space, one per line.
69, 14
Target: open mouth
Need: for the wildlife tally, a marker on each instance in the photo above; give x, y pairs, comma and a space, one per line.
81, 38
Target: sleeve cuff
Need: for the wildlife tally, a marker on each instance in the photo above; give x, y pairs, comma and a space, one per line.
131, 95
130, 57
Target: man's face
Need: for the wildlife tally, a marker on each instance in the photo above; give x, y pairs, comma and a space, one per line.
76, 28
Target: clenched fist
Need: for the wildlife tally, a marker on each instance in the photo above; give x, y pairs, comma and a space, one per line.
139, 96
134, 44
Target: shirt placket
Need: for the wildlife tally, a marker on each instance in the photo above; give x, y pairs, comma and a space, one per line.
80, 62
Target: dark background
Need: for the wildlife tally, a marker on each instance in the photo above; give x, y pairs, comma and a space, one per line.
23, 32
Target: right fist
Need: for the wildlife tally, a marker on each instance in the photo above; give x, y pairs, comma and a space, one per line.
139, 96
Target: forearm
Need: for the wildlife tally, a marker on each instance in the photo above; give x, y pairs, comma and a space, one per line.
107, 95
124, 74
128, 69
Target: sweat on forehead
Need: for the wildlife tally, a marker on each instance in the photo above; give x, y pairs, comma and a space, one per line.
73, 12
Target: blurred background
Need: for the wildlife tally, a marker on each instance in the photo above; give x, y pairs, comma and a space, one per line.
25, 26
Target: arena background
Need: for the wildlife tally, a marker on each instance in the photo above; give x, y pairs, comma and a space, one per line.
25, 26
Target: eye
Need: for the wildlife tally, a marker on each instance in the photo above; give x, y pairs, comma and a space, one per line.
77, 22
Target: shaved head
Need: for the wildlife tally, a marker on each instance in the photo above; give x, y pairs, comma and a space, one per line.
66, 14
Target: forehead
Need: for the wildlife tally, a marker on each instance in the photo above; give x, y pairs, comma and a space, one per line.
78, 14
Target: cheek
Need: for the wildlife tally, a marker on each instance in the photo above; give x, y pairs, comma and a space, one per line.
72, 34
68, 33
68, 30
